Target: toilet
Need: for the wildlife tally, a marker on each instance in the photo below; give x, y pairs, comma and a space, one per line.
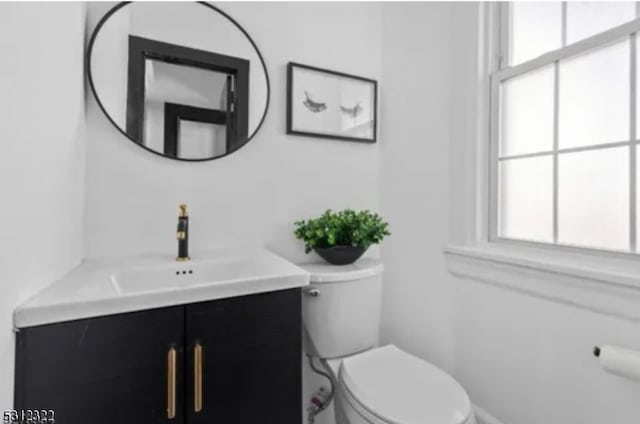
374, 384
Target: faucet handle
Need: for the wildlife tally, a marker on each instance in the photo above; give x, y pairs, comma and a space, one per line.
183, 210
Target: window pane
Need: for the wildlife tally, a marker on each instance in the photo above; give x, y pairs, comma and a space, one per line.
525, 199
536, 28
593, 198
527, 113
594, 97
585, 19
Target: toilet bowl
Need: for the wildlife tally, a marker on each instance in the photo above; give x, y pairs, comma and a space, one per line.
386, 385
373, 385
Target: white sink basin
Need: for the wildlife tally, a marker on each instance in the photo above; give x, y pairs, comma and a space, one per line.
97, 288
183, 275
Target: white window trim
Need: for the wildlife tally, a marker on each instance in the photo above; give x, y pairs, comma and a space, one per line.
598, 280
608, 287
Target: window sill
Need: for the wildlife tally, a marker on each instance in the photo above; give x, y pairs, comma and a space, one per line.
600, 284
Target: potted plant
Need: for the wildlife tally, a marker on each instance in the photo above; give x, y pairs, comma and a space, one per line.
340, 238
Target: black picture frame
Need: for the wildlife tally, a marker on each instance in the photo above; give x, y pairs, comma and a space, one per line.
211, 8
291, 67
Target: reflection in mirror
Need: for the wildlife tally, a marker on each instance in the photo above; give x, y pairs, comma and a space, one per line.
162, 74
169, 89
194, 94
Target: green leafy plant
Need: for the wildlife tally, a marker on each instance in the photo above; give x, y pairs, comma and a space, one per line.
343, 228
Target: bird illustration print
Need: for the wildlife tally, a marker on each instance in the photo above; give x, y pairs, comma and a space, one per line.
315, 107
352, 112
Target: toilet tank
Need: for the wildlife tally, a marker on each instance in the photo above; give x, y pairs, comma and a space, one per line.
341, 308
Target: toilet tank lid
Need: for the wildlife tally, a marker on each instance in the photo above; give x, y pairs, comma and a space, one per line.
327, 273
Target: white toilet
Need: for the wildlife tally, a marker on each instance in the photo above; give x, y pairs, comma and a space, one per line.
375, 385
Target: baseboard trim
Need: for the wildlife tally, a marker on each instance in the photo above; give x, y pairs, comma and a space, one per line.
483, 417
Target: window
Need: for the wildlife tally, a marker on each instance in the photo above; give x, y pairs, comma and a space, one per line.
564, 121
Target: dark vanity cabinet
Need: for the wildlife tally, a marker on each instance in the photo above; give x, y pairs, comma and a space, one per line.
235, 360
101, 370
252, 357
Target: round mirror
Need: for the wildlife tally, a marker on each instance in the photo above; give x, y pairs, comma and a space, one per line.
180, 79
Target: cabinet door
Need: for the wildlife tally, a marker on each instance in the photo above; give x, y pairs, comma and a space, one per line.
106, 370
250, 365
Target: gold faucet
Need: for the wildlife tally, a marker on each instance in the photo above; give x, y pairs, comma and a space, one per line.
183, 234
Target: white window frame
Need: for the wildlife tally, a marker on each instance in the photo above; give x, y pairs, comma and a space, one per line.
501, 72
599, 281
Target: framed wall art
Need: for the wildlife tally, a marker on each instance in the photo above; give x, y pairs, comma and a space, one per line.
330, 104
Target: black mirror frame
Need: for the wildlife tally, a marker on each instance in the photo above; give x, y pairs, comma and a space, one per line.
94, 34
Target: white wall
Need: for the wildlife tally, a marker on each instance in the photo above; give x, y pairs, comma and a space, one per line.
528, 360
415, 112
253, 196
41, 165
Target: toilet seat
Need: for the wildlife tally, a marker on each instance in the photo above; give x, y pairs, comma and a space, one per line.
389, 386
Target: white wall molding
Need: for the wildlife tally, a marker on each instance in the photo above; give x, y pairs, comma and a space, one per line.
483, 417
602, 291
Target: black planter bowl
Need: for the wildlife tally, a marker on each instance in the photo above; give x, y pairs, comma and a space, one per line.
340, 255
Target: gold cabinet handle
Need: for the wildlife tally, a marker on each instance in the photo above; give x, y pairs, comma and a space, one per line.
197, 377
171, 383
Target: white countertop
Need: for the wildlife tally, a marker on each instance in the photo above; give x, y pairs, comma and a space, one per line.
89, 290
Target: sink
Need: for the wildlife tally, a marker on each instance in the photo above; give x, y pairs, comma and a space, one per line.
194, 273
111, 286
